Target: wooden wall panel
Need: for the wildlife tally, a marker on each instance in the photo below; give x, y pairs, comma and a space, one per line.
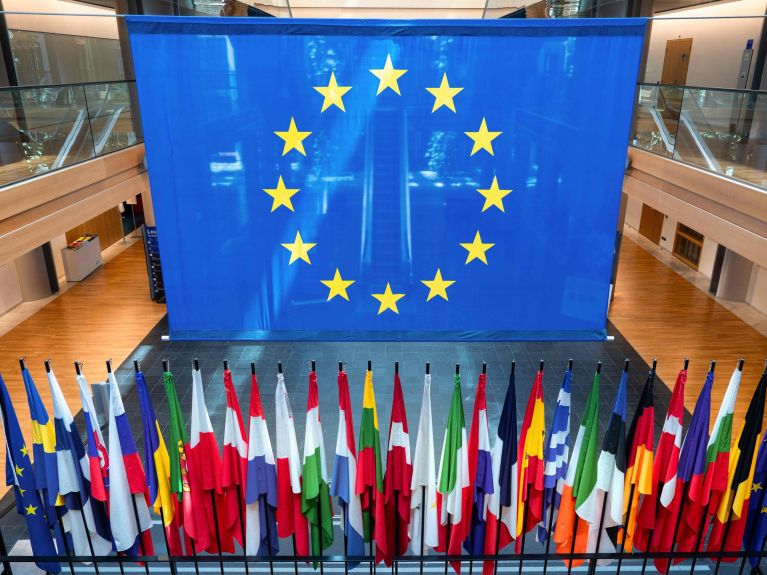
108, 226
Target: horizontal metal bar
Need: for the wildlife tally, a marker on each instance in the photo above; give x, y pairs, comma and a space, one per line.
71, 85
707, 88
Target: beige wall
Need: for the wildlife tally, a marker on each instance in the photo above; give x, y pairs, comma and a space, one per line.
74, 18
10, 290
717, 45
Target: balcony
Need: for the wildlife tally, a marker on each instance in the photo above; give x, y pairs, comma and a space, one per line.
717, 130
46, 128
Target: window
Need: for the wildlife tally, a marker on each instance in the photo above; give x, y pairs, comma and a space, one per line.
687, 245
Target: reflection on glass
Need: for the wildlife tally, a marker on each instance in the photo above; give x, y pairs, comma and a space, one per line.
723, 131
46, 128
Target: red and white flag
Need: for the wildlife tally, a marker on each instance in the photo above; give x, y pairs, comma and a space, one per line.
205, 471
235, 466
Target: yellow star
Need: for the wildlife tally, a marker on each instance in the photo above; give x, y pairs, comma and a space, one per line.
22, 491
298, 249
281, 195
443, 96
337, 286
24, 451
333, 94
476, 249
30, 509
756, 487
483, 139
388, 76
388, 299
19, 471
437, 286
494, 195
294, 140
764, 509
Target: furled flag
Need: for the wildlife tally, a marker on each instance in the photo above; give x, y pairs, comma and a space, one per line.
369, 484
571, 534
707, 485
688, 493
399, 473
480, 470
555, 458
454, 489
235, 462
128, 494
45, 462
316, 504
74, 485
756, 522
157, 465
531, 440
290, 519
189, 497
605, 504
423, 493
664, 468
205, 472
261, 481
345, 474
19, 474
639, 459
734, 505
501, 514
98, 458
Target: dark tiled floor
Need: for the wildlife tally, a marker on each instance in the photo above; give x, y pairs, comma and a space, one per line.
443, 356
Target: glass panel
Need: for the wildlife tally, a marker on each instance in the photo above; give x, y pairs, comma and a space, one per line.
111, 116
46, 128
723, 131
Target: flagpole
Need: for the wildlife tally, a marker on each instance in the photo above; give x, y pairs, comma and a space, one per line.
196, 367
79, 495
23, 366
593, 562
704, 517
343, 506
423, 505
7, 570
759, 510
631, 498
548, 527
162, 513
644, 559
132, 497
572, 547
449, 522
371, 522
524, 511
319, 501
292, 535
395, 566
500, 507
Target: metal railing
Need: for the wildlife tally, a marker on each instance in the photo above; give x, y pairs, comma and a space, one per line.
44, 128
722, 131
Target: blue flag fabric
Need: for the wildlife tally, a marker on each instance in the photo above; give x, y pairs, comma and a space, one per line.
756, 522
364, 179
556, 455
19, 474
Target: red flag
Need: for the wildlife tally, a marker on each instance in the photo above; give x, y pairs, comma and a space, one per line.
235, 466
205, 473
399, 471
664, 469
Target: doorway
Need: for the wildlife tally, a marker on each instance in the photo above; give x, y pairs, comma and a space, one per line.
676, 61
651, 224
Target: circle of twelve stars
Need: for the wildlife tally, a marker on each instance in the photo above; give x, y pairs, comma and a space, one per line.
281, 195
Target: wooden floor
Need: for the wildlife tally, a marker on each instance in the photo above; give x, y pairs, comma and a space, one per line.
105, 316
664, 316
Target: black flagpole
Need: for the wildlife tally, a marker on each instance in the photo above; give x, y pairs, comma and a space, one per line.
423, 505
549, 528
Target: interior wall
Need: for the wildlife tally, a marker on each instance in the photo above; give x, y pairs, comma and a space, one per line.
757, 289
82, 19
717, 45
107, 225
707, 257
10, 290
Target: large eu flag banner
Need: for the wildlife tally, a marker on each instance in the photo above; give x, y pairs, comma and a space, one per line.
342, 179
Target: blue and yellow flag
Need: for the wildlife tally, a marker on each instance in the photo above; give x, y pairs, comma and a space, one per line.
20, 475
447, 179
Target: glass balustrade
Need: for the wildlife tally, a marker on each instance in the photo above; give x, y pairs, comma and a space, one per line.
44, 128
723, 131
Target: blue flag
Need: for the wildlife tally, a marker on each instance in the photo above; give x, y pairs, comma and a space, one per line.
756, 523
386, 177
556, 455
19, 474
